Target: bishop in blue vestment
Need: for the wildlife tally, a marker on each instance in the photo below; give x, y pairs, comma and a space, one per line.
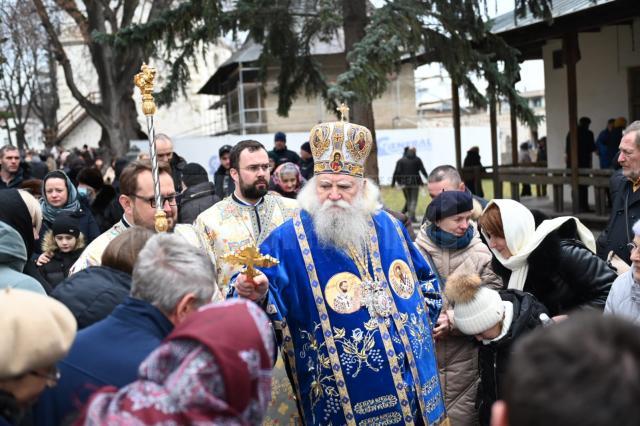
352, 299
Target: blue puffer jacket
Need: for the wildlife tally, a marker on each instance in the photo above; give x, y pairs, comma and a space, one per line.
106, 354
93, 293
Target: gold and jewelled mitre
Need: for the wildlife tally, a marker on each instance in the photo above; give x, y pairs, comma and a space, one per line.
339, 146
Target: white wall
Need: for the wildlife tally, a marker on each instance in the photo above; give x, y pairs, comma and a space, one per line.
601, 84
434, 145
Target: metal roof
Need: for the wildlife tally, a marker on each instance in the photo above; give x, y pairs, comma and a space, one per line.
508, 22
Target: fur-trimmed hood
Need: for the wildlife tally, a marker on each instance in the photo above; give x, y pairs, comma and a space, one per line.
49, 243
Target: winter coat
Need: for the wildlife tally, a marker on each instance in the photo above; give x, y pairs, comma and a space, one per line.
220, 176
86, 223
472, 159
586, 147
493, 357
57, 269
13, 257
624, 298
618, 232
105, 354
195, 200
101, 205
306, 168
177, 163
284, 156
457, 354
10, 409
93, 293
407, 172
563, 274
21, 175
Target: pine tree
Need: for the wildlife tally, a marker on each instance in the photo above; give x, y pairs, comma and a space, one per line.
377, 40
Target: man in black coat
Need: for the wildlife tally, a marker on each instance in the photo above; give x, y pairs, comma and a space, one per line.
407, 175
586, 148
12, 172
280, 153
164, 150
199, 195
625, 198
306, 161
222, 177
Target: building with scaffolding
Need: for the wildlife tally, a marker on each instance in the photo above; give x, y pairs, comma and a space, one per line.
249, 104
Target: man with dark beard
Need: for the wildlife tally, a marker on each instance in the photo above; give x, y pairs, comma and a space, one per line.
357, 339
248, 215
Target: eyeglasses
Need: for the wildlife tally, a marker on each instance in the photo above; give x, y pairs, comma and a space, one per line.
256, 167
52, 377
171, 199
632, 246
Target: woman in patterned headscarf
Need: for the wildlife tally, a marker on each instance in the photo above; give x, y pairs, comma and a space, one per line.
287, 180
214, 368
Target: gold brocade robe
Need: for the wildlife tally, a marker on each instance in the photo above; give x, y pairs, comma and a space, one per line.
226, 226
230, 224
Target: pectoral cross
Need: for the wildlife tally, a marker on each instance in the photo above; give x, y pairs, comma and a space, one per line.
344, 112
249, 256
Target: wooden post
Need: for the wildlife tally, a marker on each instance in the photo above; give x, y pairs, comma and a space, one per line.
455, 105
515, 187
570, 47
497, 185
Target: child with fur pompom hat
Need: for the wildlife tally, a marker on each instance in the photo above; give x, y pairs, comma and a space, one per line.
496, 318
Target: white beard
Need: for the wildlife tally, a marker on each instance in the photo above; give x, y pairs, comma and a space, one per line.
338, 223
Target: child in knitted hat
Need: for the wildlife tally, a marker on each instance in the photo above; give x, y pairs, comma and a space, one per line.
61, 247
496, 319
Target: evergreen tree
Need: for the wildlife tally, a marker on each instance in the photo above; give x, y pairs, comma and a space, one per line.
377, 40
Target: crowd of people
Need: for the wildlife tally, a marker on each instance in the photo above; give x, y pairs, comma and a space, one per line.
490, 313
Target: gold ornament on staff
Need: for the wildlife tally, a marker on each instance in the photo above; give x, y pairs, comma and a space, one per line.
249, 256
144, 81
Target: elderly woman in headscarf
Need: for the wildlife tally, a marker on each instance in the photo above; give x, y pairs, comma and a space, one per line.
452, 242
59, 195
287, 180
214, 368
555, 262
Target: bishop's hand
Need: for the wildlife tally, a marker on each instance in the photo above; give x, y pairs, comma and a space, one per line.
254, 289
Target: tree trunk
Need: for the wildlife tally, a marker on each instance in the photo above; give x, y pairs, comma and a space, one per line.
354, 23
21, 139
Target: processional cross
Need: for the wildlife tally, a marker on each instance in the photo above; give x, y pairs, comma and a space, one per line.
249, 256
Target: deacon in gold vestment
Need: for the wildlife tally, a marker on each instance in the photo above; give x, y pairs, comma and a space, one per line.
249, 215
246, 216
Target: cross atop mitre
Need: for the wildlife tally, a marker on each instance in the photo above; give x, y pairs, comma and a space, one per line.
344, 112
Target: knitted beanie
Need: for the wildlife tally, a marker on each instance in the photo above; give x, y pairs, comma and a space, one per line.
475, 308
65, 224
449, 203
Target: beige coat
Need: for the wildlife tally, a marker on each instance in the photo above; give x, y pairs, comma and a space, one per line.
457, 354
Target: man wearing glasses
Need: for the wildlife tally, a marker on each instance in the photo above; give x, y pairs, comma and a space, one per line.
248, 215
138, 203
624, 297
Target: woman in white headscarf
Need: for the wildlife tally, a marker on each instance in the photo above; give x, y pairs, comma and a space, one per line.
556, 261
